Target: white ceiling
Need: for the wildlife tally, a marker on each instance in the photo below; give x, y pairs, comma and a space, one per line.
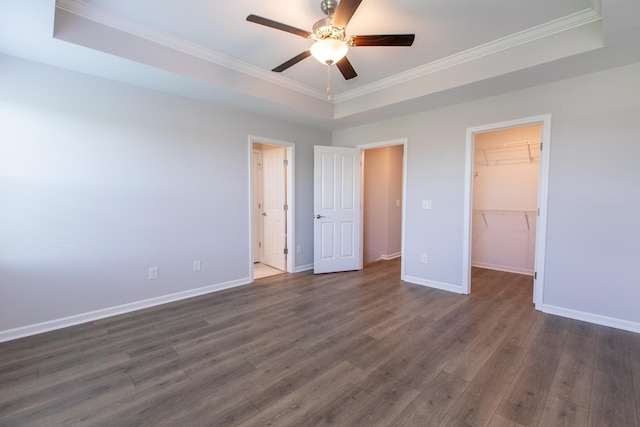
206, 49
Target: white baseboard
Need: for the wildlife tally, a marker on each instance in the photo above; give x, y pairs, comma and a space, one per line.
301, 268
77, 319
390, 256
592, 318
506, 268
433, 284
39, 328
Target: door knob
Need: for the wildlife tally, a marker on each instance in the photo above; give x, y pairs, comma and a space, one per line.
319, 216
264, 214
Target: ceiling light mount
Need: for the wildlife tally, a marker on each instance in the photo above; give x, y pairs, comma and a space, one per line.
328, 6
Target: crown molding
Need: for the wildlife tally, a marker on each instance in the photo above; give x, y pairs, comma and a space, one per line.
88, 11
569, 22
100, 16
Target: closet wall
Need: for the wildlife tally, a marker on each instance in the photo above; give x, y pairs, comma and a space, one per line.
505, 194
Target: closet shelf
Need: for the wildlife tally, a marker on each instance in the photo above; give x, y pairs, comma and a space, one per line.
515, 152
485, 212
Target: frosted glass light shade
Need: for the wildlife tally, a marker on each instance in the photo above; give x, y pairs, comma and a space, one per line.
329, 51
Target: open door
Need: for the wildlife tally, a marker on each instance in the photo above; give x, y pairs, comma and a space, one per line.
274, 211
337, 209
256, 209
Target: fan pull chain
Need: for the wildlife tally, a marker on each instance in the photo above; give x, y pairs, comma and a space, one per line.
329, 82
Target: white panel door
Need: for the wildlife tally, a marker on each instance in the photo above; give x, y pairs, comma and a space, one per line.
337, 209
274, 219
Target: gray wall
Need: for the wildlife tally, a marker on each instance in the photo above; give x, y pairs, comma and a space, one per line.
594, 198
100, 181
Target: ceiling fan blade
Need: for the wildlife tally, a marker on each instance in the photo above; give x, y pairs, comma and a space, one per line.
278, 26
344, 12
383, 40
346, 69
293, 61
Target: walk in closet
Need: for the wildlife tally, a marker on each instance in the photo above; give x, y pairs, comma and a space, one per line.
505, 194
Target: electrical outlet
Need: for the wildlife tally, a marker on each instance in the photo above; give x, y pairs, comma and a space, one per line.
196, 265
426, 204
153, 273
424, 259
299, 249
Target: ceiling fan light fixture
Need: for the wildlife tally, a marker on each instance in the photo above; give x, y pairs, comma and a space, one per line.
329, 51
330, 41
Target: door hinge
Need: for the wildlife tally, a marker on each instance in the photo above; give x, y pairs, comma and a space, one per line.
541, 144
286, 251
538, 211
286, 162
535, 275
286, 206
259, 244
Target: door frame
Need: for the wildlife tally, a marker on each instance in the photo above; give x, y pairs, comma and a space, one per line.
405, 143
257, 222
543, 193
290, 178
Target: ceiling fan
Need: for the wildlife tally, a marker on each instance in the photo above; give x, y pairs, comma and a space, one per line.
331, 41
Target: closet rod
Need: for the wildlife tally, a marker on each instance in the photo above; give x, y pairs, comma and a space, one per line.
527, 144
515, 148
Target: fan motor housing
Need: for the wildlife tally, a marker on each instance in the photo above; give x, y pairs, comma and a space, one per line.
323, 29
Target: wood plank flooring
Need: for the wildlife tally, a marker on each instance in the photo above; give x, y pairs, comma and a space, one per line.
349, 349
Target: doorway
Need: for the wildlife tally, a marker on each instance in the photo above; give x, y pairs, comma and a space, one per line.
271, 195
383, 189
381, 203
505, 197
507, 171
338, 212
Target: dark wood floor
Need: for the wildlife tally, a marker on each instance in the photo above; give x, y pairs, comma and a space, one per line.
350, 349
